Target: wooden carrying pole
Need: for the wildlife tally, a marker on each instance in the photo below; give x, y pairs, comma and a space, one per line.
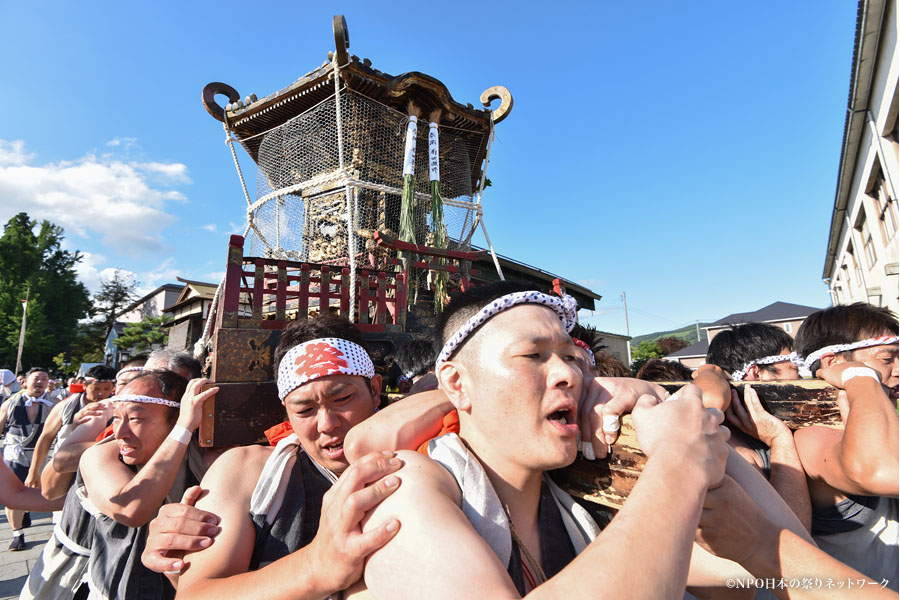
609, 481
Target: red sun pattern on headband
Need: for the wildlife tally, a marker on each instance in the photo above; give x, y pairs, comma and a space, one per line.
319, 360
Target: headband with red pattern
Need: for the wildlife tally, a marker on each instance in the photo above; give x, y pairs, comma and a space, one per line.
319, 358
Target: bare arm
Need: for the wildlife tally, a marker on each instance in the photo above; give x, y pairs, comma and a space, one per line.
864, 458
733, 525
330, 563
429, 503
403, 425
712, 571
786, 473
51, 427
91, 421
134, 498
13, 494
4, 408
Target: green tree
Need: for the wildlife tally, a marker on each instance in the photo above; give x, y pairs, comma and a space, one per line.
114, 294
33, 261
140, 337
642, 353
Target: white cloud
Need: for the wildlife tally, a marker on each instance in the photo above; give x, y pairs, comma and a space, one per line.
125, 142
164, 272
100, 197
176, 172
211, 227
13, 153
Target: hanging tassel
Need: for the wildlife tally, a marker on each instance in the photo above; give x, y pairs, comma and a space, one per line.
437, 209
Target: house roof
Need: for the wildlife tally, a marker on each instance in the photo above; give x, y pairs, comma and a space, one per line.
194, 289
514, 269
777, 311
696, 349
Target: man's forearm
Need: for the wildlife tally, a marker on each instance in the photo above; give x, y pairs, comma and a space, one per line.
789, 479
665, 535
66, 458
790, 557
401, 426
288, 578
869, 446
141, 497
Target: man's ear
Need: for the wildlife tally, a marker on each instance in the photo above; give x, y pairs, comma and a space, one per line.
451, 376
752, 373
829, 359
375, 389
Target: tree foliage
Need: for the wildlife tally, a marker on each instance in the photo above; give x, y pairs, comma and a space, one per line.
32, 261
670, 344
114, 295
643, 352
141, 337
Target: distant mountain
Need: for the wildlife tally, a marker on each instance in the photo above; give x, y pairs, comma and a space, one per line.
687, 333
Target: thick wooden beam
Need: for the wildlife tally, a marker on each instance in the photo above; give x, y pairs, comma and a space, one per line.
609, 481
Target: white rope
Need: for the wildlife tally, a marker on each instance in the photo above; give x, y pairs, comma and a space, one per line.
348, 194
479, 216
229, 140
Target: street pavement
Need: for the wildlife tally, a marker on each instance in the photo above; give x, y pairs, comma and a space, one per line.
15, 566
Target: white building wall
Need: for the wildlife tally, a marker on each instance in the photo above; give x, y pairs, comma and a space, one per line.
853, 278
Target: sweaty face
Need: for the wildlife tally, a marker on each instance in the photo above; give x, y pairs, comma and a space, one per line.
99, 390
140, 428
524, 383
884, 360
323, 410
37, 383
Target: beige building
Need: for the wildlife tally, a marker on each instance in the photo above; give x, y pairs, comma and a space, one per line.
861, 259
616, 344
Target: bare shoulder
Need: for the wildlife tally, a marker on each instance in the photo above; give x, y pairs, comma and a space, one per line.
745, 451
816, 438
101, 453
234, 474
423, 472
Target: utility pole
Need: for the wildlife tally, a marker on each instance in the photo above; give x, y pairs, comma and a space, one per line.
698, 330
22, 331
627, 329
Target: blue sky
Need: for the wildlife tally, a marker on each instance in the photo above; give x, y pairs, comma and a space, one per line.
685, 153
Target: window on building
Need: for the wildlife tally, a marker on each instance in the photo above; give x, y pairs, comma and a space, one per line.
865, 236
787, 327
890, 131
885, 206
856, 268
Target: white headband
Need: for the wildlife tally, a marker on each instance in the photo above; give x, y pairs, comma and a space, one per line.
768, 360
143, 400
128, 370
584, 346
318, 358
564, 306
837, 348
95, 380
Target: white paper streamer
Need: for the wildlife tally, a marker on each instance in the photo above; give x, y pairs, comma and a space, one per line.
434, 161
409, 157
